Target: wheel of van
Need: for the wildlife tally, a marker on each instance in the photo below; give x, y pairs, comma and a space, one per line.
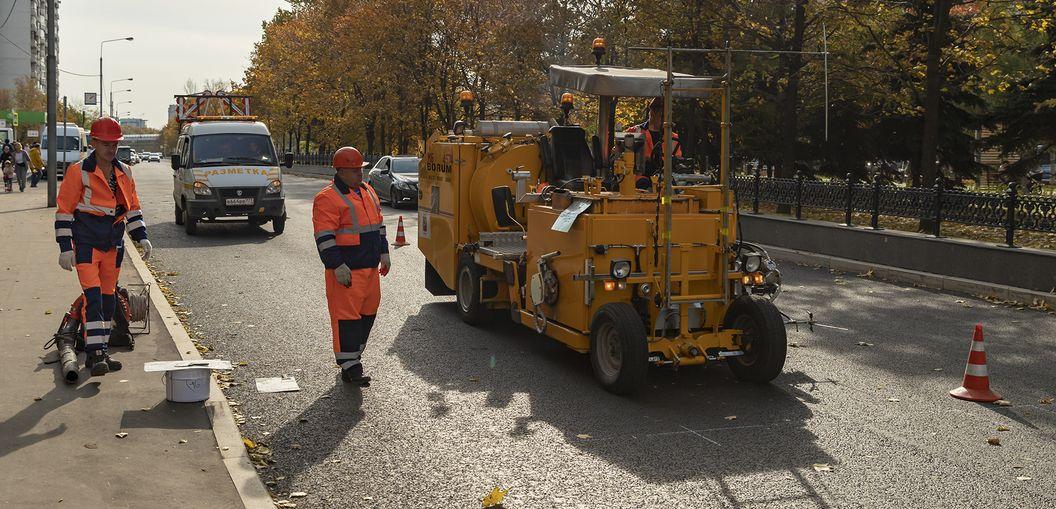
179, 215
619, 352
764, 340
190, 223
467, 291
278, 224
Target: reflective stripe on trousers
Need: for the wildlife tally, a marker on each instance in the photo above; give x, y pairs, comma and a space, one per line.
98, 272
352, 312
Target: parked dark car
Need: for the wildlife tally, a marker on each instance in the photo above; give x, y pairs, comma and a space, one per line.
395, 178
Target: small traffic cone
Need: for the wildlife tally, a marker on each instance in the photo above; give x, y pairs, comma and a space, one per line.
976, 385
401, 237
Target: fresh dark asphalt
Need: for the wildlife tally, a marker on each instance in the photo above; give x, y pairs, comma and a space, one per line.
455, 410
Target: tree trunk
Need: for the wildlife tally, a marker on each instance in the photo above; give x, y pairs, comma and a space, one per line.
933, 81
370, 134
790, 94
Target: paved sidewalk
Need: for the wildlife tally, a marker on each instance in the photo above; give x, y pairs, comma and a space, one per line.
61, 449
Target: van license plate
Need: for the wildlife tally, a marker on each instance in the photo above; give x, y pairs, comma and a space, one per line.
239, 201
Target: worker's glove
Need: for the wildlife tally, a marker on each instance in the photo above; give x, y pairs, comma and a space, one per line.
66, 260
147, 248
386, 264
344, 275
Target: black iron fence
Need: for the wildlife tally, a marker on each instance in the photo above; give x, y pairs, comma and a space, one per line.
326, 159
1009, 210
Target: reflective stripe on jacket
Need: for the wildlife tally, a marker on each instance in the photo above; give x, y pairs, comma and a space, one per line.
348, 226
650, 142
90, 213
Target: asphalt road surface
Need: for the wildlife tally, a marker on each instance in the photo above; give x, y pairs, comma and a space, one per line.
455, 410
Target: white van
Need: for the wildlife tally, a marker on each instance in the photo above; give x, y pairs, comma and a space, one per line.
71, 147
228, 169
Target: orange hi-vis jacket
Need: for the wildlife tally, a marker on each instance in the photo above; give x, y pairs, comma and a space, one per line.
650, 143
89, 213
348, 226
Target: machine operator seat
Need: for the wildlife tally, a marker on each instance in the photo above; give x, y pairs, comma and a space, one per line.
571, 156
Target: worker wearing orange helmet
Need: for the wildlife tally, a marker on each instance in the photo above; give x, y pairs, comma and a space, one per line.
350, 237
97, 204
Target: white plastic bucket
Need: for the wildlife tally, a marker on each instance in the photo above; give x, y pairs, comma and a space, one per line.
187, 385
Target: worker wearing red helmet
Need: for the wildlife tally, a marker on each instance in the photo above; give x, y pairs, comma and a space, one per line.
97, 204
350, 237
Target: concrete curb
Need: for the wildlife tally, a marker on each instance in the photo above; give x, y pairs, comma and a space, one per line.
938, 282
228, 438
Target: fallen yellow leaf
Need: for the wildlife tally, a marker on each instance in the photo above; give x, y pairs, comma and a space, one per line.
1004, 428
583, 436
249, 443
1045, 401
731, 417
494, 498
822, 467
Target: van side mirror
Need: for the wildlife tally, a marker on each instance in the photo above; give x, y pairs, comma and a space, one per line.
176, 161
287, 160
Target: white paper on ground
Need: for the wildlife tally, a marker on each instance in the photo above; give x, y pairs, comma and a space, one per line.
180, 365
277, 384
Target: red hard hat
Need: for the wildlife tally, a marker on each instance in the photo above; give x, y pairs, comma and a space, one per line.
348, 157
106, 129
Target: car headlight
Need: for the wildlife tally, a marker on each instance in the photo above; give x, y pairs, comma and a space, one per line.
274, 187
403, 184
620, 269
752, 263
201, 189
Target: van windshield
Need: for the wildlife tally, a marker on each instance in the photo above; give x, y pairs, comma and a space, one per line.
64, 143
232, 148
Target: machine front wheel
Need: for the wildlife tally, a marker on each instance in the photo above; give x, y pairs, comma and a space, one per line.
619, 352
764, 341
467, 291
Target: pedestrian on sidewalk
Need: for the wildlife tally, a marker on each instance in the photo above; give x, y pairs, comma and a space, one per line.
36, 165
21, 159
97, 203
350, 237
8, 169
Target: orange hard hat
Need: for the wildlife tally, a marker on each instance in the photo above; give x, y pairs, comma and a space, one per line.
348, 157
106, 129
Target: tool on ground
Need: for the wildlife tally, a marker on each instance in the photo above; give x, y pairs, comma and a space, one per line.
401, 236
976, 385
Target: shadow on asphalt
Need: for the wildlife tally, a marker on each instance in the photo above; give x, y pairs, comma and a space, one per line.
326, 424
14, 430
678, 427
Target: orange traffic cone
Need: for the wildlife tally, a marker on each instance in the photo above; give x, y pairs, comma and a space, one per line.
401, 237
976, 385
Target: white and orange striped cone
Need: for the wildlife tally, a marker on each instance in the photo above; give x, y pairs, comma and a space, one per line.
401, 237
976, 385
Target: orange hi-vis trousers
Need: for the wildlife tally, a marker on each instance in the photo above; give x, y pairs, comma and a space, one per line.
352, 313
98, 271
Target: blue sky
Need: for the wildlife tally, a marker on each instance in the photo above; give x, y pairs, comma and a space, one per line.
174, 41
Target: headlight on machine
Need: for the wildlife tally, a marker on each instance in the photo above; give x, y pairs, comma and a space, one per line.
274, 187
620, 269
201, 189
752, 263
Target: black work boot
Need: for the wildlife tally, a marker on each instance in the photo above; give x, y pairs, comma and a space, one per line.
100, 363
95, 361
354, 375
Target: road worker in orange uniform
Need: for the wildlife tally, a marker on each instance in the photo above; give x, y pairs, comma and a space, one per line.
653, 129
351, 240
97, 203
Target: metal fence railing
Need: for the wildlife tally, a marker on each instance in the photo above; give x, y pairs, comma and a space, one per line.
1009, 210
326, 159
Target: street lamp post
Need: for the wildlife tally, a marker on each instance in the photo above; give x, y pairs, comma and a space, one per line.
101, 69
112, 92
119, 117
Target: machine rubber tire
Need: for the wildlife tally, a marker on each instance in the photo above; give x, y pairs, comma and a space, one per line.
190, 224
278, 224
179, 216
619, 353
434, 283
766, 343
467, 291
